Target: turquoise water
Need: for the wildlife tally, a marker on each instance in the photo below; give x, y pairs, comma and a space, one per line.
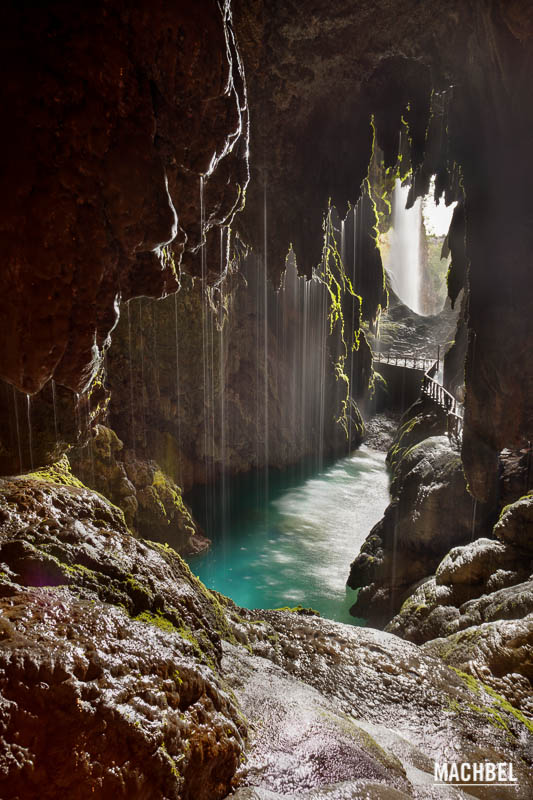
287, 539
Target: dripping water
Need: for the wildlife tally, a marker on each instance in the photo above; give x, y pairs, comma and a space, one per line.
30, 439
178, 399
265, 338
352, 328
474, 514
54, 403
144, 398
132, 409
15, 402
207, 361
90, 439
78, 417
222, 389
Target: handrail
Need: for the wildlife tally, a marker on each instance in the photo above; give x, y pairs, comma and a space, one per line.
411, 362
442, 397
430, 387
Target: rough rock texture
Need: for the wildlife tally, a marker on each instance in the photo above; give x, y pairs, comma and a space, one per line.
112, 645
498, 653
430, 512
36, 430
315, 73
116, 681
515, 526
478, 608
101, 174
403, 332
485, 580
152, 503
358, 676
311, 67
380, 431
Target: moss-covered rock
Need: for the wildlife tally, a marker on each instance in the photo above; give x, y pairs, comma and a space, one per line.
152, 503
431, 512
150, 682
515, 526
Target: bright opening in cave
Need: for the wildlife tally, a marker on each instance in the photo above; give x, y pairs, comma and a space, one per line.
412, 249
315, 433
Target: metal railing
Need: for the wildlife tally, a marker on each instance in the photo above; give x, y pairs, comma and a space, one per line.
443, 398
409, 362
430, 387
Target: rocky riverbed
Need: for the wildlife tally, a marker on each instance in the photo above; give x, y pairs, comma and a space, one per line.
122, 675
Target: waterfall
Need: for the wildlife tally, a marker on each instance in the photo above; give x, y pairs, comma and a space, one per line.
403, 260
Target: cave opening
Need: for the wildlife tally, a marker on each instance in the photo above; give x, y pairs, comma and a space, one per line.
228, 339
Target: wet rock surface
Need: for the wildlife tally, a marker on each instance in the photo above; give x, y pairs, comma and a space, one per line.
379, 686
380, 431
430, 512
150, 682
498, 653
102, 176
108, 643
152, 503
476, 610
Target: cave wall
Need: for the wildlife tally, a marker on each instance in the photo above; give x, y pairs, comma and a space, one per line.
247, 383
465, 71
116, 111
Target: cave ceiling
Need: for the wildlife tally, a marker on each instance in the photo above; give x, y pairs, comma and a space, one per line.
131, 124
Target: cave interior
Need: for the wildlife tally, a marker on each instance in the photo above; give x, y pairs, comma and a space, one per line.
206, 213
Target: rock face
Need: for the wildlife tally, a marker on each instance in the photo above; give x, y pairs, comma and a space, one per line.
431, 511
266, 389
123, 676
306, 62
101, 175
152, 503
109, 643
483, 581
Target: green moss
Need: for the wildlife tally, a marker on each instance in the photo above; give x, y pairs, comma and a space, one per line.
506, 508
166, 490
79, 571
158, 620
492, 716
500, 703
299, 610
338, 285
173, 761
59, 473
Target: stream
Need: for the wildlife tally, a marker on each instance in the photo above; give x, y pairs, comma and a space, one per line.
287, 539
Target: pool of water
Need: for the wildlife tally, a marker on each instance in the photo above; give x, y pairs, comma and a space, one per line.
289, 539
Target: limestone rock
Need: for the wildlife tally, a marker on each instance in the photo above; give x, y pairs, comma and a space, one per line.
476, 562
101, 169
515, 525
151, 501
431, 511
499, 653
116, 653
122, 675
260, 392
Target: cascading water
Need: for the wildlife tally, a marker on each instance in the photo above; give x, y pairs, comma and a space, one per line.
30, 437
17, 425
132, 405
403, 259
295, 548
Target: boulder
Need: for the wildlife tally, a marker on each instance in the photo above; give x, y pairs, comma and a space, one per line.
122, 675
431, 511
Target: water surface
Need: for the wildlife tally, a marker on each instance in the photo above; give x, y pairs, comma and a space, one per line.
286, 540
